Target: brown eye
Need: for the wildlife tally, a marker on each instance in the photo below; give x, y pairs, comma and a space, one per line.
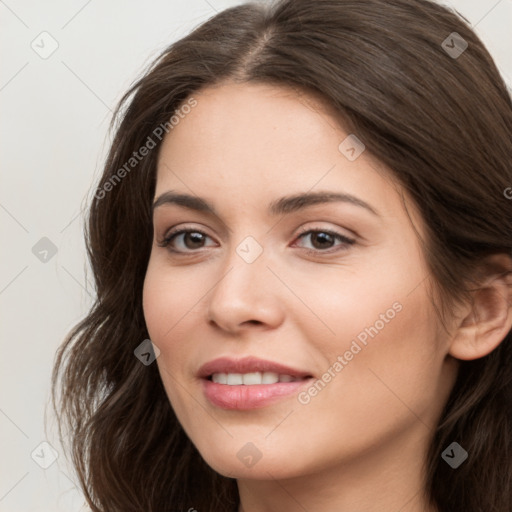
322, 240
186, 239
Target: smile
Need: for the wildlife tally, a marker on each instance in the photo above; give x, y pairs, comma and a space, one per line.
250, 382
251, 379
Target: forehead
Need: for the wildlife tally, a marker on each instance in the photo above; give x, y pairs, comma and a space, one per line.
242, 127
255, 114
260, 142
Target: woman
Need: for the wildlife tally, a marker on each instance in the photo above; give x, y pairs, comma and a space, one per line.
301, 244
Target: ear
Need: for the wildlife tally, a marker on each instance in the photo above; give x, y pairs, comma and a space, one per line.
489, 319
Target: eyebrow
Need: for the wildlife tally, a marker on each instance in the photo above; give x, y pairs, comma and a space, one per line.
282, 206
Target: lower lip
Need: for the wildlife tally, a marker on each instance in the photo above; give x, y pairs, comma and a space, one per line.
249, 397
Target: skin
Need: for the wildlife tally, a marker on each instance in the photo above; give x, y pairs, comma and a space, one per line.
360, 443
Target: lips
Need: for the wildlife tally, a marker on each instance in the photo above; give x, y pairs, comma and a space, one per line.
248, 365
228, 388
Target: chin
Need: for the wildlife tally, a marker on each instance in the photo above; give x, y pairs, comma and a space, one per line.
238, 464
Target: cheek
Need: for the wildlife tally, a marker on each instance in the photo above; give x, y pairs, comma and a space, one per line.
348, 303
384, 359
157, 303
383, 326
170, 318
167, 302
168, 313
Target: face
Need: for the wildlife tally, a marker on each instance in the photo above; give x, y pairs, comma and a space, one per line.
333, 290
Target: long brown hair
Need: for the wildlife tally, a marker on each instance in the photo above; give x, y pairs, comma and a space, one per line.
437, 113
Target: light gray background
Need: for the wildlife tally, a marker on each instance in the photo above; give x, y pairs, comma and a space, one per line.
54, 120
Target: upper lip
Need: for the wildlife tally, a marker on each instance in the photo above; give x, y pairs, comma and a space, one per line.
247, 365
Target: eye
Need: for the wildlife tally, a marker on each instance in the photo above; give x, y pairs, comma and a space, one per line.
191, 239
322, 240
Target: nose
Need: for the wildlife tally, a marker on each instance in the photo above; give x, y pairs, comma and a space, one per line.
247, 295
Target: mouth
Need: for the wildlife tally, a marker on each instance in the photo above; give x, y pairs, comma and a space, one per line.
252, 378
250, 383
251, 369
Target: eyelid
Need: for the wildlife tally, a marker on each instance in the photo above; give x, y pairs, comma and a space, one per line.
176, 231
334, 231
346, 241
302, 230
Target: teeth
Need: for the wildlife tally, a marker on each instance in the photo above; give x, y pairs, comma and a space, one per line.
235, 379
250, 379
220, 378
269, 378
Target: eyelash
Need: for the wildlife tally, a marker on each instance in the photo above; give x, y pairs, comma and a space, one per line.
346, 241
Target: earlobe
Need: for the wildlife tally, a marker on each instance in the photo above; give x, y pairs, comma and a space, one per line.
489, 319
